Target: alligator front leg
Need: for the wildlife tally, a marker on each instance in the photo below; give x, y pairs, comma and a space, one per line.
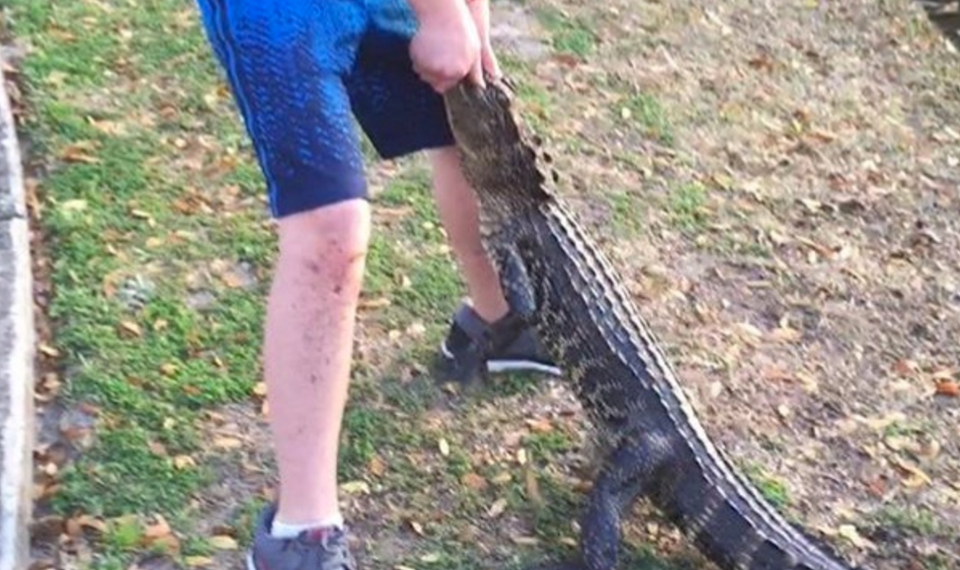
628, 472
519, 295
516, 285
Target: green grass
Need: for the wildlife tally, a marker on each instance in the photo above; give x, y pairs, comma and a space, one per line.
686, 206
571, 36
648, 114
627, 213
540, 105
913, 520
772, 489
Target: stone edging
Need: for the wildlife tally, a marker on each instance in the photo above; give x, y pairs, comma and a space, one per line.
17, 351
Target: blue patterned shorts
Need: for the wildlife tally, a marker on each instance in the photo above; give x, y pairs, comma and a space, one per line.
300, 70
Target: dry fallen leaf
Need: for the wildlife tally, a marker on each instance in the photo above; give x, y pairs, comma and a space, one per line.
377, 303
376, 466
522, 456
749, 330
355, 487
223, 542
48, 350
74, 527
183, 462
928, 450
158, 529
786, 334
227, 443
916, 476
502, 478
168, 543
80, 152
74, 205
539, 425
948, 388
131, 328
851, 533
233, 281
474, 481
525, 540
417, 527
497, 508
198, 561
783, 411
416, 329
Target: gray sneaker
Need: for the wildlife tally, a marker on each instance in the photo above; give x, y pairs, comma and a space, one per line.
474, 347
316, 549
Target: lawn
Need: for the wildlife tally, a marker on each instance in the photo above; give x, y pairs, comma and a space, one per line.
775, 186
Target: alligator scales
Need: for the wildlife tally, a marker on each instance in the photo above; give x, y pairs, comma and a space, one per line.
556, 279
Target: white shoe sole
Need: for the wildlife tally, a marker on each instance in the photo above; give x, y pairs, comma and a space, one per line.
500, 366
250, 564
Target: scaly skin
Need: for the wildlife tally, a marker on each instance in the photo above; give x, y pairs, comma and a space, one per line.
556, 279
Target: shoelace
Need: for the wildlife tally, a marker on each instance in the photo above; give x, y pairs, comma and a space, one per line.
330, 553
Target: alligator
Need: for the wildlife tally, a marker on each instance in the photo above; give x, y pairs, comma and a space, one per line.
945, 15
559, 282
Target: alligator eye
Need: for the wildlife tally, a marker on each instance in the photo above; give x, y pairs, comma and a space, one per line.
555, 176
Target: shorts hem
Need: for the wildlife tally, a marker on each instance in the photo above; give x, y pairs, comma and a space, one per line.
287, 200
391, 147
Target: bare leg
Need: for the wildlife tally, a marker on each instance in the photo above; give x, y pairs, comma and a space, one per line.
308, 348
457, 206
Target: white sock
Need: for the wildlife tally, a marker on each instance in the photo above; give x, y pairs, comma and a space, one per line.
280, 529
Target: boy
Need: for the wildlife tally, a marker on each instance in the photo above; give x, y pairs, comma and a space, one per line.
298, 69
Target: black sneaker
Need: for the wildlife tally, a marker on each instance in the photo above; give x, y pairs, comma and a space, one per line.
463, 348
315, 549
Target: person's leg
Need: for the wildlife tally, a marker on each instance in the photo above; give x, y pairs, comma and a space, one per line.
401, 114
457, 207
307, 352
286, 77
463, 358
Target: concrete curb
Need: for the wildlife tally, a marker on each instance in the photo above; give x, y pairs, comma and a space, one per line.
17, 351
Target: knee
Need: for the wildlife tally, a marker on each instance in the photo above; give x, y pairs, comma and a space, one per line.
328, 243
